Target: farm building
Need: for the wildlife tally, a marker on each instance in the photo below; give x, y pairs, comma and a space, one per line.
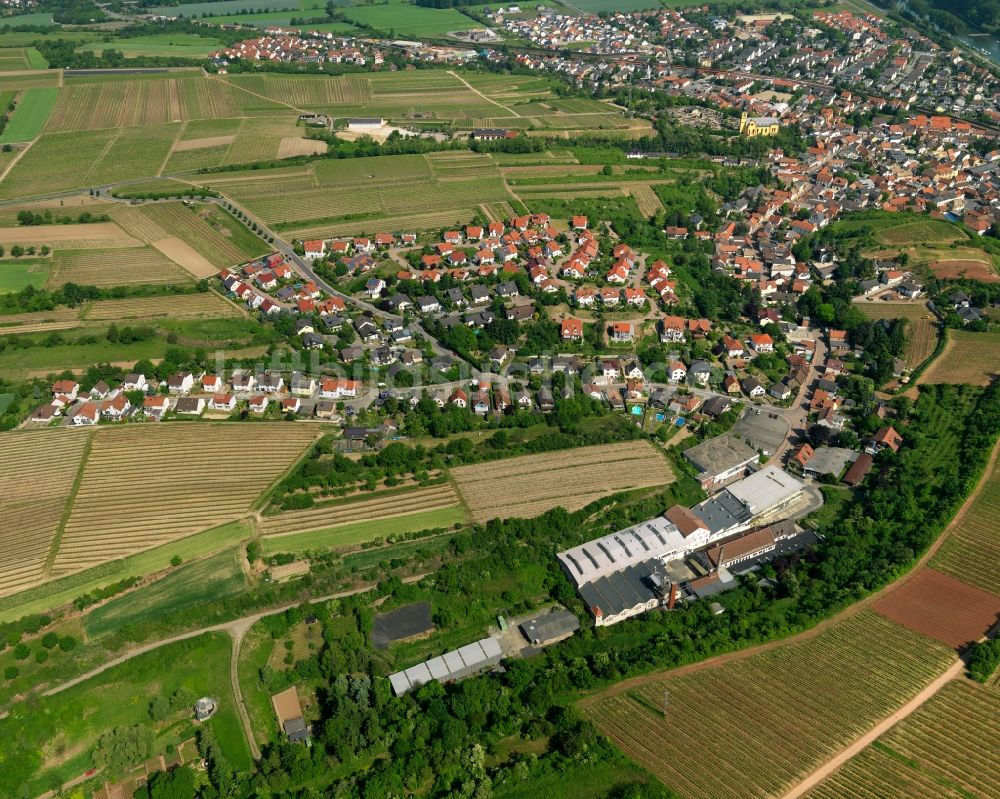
630, 571
365, 124
549, 627
720, 459
289, 712
448, 667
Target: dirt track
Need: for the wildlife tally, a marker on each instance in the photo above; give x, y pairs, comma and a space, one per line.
824, 771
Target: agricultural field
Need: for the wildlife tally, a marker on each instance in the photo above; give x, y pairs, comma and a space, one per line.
30, 115
207, 305
119, 267
190, 10
941, 607
200, 581
532, 484
971, 551
979, 266
375, 508
95, 235
55, 741
922, 231
176, 45
202, 238
16, 59
187, 484
410, 20
921, 328
351, 534
362, 193
972, 358
38, 470
754, 726
23, 81
944, 750
21, 273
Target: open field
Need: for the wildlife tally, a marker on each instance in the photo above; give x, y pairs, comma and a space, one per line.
175, 45
30, 116
942, 607
200, 581
64, 727
967, 358
972, 550
37, 470
921, 331
18, 274
353, 533
753, 726
410, 20
972, 268
922, 231
146, 487
942, 751
94, 235
532, 484
397, 503
119, 267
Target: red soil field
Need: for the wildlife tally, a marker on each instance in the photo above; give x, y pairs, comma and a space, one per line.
941, 607
974, 270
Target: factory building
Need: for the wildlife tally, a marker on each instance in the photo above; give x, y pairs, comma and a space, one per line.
628, 572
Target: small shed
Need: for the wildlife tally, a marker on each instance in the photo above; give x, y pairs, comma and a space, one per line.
549, 627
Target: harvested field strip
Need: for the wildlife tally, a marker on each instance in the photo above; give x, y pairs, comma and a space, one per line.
95, 235
37, 470
61, 314
972, 551
143, 488
944, 749
941, 607
397, 504
967, 358
532, 484
126, 266
188, 306
754, 726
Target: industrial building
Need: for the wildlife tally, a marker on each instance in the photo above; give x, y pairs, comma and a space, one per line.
637, 569
448, 667
720, 459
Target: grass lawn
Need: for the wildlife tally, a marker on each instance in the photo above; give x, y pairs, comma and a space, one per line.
407, 20
18, 274
349, 534
255, 651
30, 116
36, 59
196, 582
179, 45
59, 592
56, 738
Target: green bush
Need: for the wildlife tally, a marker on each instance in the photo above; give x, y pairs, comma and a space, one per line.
49, 640
21, 651
11, 672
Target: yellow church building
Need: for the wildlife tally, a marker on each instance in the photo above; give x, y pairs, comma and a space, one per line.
758, 126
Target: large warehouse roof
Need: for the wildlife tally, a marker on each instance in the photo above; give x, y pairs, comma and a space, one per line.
766, 489
449, 666
603, 556
720, 454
